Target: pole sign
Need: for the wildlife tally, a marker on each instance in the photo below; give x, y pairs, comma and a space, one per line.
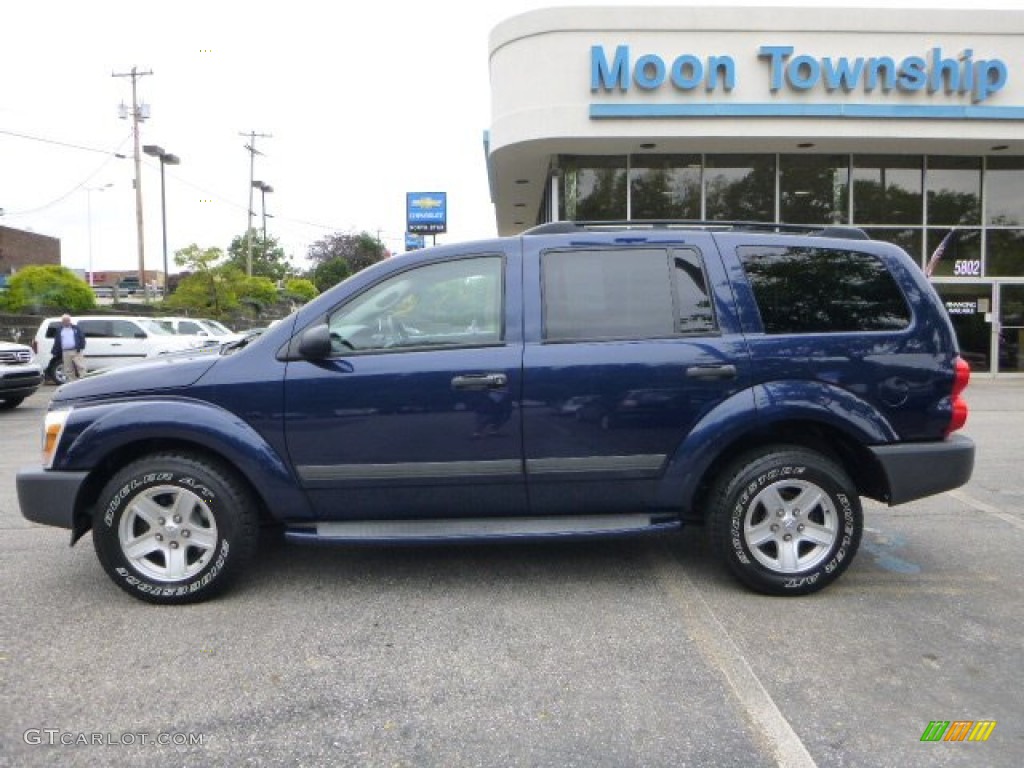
426, 213
413, 242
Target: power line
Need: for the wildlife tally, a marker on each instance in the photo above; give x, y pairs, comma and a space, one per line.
64, 144
70, 192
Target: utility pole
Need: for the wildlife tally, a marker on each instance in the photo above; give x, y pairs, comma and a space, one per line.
137, 117
251, 147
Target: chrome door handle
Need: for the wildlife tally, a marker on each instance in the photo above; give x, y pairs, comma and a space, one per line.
711, 372
480, 381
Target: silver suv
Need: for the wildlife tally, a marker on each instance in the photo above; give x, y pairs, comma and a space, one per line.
20, 377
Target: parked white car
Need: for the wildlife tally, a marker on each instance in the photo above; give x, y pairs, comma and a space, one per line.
199, 326
110, 342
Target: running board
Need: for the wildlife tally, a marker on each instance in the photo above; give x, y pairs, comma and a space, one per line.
482, 528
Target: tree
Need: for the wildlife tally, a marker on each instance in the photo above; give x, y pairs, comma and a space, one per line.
329, 273
268, 259
357, 251
257, 292
49, 285
211, 287
300, 289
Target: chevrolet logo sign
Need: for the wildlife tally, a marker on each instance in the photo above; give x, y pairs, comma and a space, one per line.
426, 202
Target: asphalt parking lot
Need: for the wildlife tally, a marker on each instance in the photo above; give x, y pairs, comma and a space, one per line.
641, 652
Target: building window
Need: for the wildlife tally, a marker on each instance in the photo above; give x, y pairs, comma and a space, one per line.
1004, 253
740, 187
665, 187
909, 239
887, 190
813, 189
962, 256
1004, 192
953, 185
594, 188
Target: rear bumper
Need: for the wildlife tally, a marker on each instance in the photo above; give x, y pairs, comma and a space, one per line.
915, 470
48, 497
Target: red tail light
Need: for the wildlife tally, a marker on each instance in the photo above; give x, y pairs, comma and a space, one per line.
961, 376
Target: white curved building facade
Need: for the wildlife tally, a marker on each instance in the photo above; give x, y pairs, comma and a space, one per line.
906, 123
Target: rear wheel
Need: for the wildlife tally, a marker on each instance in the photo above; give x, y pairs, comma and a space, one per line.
11, 402
174, 528
786, 520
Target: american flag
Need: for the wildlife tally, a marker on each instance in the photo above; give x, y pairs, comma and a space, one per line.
947, 241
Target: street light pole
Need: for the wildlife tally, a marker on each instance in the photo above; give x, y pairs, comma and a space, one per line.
88, 208
166, 158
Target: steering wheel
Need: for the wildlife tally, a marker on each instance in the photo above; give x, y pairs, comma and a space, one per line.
391, 332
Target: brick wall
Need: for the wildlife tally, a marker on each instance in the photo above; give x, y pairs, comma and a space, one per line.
22, 249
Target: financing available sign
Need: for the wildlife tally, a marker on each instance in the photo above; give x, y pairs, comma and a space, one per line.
426, 213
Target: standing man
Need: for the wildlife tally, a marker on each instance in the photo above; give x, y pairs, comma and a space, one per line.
69, 343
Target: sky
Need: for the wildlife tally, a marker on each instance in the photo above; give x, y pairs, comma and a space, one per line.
355, 105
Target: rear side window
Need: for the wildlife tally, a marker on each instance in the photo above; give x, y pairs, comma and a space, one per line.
823, 290
626, 293
96, 329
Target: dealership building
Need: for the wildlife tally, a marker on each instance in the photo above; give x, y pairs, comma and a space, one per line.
908, 124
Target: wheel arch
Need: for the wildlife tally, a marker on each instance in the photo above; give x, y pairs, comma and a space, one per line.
110, 436
808, 414
855, 459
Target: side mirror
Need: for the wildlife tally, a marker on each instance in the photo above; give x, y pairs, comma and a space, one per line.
315, 343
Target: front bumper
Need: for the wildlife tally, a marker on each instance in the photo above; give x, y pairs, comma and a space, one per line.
20, 384
49, 497
915, 470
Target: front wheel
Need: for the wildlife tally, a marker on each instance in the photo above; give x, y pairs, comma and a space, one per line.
174, 528
787, 520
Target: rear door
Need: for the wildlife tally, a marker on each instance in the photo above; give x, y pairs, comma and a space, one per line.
628, 346
113, 342
416, 413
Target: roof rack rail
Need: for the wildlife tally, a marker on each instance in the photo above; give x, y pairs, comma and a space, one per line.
574, 227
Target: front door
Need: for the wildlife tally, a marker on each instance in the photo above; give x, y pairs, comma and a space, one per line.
416, 412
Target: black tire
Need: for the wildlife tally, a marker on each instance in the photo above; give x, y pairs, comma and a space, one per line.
772, 545
55, 372
207, 536
11, 402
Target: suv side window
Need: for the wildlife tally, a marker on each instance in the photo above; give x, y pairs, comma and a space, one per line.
624, 293
125, 329
95, 329
456, 303
823, 290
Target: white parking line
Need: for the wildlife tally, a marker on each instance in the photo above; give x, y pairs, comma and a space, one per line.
988, 508
718, 648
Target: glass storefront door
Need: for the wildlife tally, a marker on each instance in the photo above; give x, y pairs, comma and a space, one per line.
970, 308
1011, 328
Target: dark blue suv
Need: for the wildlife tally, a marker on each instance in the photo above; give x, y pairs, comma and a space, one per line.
580, 379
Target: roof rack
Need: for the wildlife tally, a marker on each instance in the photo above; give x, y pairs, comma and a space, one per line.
575, 227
